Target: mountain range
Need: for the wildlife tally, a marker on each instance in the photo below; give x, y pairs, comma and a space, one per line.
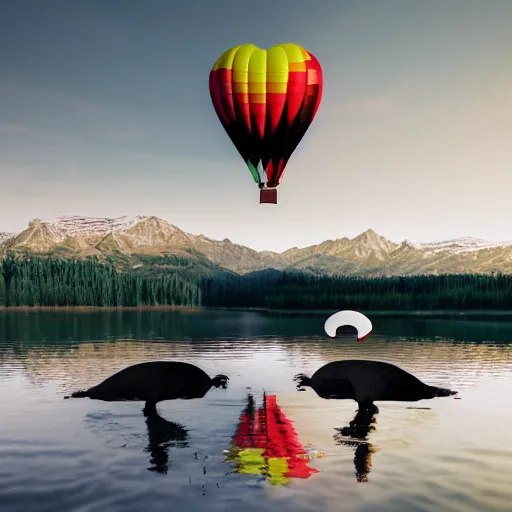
147, 242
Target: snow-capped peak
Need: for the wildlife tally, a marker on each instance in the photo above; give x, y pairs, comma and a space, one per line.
465, 244
77, 225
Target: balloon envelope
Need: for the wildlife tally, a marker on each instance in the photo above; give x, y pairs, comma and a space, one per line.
266, 100
347, 317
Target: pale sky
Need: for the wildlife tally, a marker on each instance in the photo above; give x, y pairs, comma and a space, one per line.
105, 111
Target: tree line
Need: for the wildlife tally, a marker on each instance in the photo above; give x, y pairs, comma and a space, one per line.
39, 281
297, 290
422, 292
32, 281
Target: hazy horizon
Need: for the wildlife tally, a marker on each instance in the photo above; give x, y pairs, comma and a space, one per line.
105, 112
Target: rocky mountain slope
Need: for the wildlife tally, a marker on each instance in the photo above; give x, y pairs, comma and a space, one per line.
148, 241
5, 236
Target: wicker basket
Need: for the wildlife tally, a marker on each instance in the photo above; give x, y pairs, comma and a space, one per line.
268, 195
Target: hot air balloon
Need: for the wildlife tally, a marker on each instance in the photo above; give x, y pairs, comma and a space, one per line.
266, 100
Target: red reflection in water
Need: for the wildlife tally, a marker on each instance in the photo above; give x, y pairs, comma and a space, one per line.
267, 441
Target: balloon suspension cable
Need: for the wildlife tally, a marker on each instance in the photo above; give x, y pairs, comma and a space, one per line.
262, 173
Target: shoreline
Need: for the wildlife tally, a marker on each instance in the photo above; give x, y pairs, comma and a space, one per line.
308, 312
77, 309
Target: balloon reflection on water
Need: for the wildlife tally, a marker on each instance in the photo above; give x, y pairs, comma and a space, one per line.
266, 444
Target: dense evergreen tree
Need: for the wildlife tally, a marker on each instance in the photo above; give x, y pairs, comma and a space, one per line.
425, 292
2, 284
35, 281
296, 290
58, 282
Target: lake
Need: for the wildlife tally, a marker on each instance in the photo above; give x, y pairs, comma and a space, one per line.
84, 455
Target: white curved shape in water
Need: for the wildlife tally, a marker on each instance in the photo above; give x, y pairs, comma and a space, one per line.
347, 317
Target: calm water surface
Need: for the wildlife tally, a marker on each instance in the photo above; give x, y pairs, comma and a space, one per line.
83, 455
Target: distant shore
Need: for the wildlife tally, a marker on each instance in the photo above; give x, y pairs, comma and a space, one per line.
78, 309
387, 313
288, 312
